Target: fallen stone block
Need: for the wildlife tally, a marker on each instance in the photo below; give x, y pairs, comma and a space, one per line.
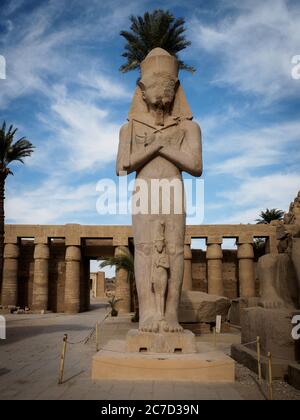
202, 307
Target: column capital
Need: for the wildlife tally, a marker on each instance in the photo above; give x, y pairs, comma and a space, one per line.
11, 251
245, 251
210, 240
73, 253
8, 239
214, 252
121, 250
41, 251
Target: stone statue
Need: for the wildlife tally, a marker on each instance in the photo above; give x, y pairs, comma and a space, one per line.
271, 320
160, 274
159, 142
279, 274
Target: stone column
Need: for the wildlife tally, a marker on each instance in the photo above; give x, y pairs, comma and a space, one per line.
122, 285
246, 268
214, 256
187, 276
100, 285
10, 275
41, 277
72, 283
272, 245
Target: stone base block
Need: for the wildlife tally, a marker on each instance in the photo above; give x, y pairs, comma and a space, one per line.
113, 363
201, 307
248, 358
294, 375
137, 342
198, 328
274, 327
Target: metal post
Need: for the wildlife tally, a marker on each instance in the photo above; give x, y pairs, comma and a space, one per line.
97, 336
258, 359
215, 337
270, 377
62, 359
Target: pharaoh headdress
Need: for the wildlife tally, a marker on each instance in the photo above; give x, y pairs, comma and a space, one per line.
159, 61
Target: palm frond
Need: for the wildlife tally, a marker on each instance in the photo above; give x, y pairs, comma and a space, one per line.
158, 28
269, 215
11, 151
123, 261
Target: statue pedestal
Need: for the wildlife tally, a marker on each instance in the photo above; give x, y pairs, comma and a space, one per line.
274, 327
143, 342
207, 365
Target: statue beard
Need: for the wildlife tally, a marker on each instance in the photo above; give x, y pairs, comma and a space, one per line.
161, 108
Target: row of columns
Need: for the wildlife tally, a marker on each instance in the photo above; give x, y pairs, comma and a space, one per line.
214, 256
40, 291
73, 257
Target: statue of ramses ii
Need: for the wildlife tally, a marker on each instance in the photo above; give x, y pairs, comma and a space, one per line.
159, 142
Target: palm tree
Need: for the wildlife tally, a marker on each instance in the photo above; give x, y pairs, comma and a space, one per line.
266, 217
10, 152
156, 29
124, 261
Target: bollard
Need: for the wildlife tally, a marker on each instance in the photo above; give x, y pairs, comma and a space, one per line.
215, 337
97, 336
258, 359
270, 377
62, 359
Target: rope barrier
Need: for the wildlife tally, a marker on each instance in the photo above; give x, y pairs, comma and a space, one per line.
250, 342
85, 341
95, 331
91, 333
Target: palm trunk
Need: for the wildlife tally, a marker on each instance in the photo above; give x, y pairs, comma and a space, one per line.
2, 219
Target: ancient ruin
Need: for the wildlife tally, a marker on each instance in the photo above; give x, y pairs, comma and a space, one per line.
270, 315
19, 277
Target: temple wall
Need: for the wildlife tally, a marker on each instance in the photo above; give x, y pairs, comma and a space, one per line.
51, 271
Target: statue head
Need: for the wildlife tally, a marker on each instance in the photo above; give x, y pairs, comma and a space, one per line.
160, 246
159, 241
158, 90
159, 80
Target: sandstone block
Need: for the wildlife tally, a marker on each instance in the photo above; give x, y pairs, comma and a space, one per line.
202, 307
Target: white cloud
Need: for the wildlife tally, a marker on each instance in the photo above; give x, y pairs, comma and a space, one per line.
105, 87
275, 190
253, 46
40, 48
84, 133
255, 194
52, 202
244, 151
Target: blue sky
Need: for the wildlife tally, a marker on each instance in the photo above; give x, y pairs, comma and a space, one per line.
65, 93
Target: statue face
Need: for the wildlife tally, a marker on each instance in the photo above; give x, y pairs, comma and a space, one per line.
159, 246
159, 90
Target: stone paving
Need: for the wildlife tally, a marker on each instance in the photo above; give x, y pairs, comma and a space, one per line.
30, 357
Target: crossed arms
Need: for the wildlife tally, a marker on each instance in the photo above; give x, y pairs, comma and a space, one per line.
188, 158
